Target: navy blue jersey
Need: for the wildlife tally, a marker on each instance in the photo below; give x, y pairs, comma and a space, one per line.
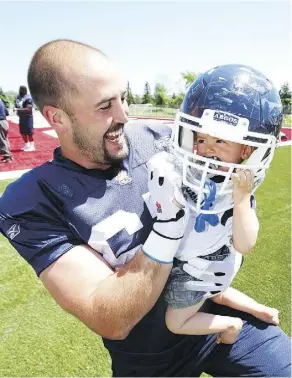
60, 205
22, 102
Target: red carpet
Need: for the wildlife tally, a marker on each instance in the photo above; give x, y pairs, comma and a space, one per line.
287, 132
44, 145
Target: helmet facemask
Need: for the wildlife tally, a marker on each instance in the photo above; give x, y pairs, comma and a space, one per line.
197, 171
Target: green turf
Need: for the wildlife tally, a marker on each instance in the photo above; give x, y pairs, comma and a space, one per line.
37, 338
3, 184
271, 257
287, 120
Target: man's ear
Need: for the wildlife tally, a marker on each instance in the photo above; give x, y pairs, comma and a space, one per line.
57, 118
246, 152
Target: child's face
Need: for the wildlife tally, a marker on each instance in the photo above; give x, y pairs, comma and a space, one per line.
223, 150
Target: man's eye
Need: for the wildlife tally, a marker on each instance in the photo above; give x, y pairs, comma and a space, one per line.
106, 107
220, 141
200, 141
123, 99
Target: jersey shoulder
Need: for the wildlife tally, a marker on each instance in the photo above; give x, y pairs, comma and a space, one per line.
147, 137
45, 189
24, 193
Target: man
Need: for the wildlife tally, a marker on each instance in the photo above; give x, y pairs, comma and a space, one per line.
84, 225
24, 111
4, 126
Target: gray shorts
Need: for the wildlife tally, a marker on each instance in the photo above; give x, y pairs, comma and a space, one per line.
175, 293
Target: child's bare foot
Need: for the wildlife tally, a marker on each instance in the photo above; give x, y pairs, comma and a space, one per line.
230, 335
267, 314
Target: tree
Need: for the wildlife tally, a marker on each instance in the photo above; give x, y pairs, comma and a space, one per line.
130, 97
177, 99
147, 98
5, 98
137, 99
189, 77
285, 93
160, 95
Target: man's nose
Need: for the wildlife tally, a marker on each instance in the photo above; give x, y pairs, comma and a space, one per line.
121, 112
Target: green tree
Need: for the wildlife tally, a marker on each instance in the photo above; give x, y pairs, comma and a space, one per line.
147, 98
4, 98
160, 95
130, 97
177, 99
137, 99
285, 93
189, 77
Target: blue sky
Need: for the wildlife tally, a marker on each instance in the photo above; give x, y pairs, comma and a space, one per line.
151, 40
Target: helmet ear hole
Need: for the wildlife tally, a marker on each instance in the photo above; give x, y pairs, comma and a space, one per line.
186, 139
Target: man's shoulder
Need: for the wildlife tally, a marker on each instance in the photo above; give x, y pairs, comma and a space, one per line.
148, 137
147, 126
23, 191
27, 99
32, 188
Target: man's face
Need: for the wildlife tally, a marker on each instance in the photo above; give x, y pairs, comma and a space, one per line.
22, 92
99, 112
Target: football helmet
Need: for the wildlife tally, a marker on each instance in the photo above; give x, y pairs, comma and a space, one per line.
230, 102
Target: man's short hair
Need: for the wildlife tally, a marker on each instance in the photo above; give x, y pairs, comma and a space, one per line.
48, 82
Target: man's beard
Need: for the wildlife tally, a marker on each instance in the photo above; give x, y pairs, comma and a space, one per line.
96, 152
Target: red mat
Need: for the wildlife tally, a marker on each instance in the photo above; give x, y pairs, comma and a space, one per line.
44, 145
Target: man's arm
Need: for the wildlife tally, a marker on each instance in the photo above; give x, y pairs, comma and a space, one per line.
27, 109
110, 303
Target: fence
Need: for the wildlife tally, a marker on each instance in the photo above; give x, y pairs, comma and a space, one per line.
148, 110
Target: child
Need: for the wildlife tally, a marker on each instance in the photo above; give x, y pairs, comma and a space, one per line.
214, 242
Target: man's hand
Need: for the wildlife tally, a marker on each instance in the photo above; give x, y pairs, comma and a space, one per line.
164, 185
214, 275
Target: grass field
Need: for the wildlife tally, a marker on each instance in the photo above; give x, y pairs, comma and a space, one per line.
38, 339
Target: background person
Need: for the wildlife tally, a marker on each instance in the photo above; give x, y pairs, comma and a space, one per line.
24, 108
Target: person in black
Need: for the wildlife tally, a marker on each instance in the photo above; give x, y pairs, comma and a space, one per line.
24, 106
4, 126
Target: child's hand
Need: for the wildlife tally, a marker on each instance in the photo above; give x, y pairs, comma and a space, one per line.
243, 181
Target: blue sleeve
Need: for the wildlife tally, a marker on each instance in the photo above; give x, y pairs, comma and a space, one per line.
38, 239
34, 227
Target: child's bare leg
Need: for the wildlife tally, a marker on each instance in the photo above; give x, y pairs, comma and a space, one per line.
239, 301
188, 321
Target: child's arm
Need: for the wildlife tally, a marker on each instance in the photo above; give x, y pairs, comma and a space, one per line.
245, 223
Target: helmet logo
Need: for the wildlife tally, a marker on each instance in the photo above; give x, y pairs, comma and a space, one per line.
225, 117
